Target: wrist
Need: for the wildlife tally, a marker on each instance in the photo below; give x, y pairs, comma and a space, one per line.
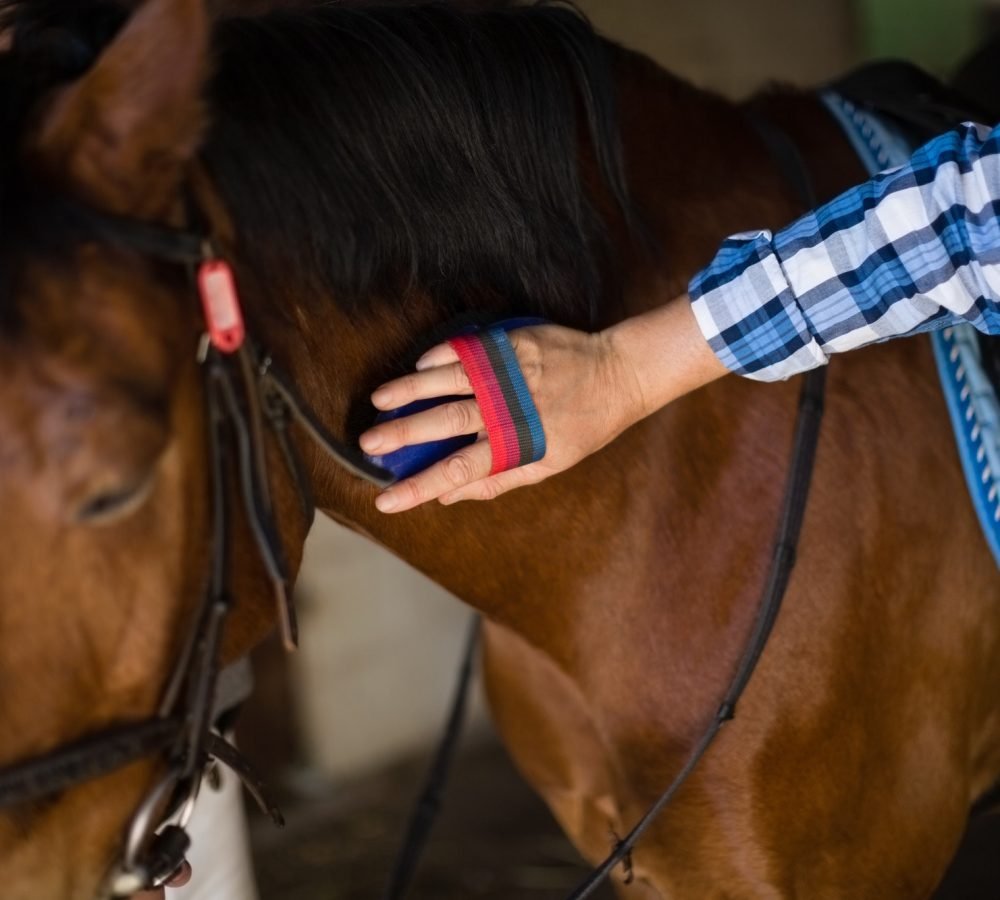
663, 355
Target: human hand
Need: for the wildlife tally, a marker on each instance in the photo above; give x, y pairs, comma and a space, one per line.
588, 388
582, 390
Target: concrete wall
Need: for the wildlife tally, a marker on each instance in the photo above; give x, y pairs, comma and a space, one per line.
731, 46
379, 643
379, 650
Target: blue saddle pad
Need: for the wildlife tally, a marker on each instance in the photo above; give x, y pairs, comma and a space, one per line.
972, 401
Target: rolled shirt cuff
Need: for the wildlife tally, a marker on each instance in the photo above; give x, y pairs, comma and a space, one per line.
748, 314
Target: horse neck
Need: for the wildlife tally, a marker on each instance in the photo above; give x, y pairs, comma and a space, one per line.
544, 561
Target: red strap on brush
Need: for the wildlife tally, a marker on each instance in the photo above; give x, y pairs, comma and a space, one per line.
513, 425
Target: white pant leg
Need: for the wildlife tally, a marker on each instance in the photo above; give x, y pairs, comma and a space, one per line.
220, 847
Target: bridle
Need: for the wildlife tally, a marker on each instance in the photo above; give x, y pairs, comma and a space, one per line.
246, 399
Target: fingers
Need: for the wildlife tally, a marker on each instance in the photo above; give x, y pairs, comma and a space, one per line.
492, 487
464, 475
437, 424
441, 355
440, 381
467, 466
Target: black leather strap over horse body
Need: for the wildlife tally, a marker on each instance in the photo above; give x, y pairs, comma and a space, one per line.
806, 440
924, 107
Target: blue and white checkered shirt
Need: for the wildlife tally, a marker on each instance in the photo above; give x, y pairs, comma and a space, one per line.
913, 249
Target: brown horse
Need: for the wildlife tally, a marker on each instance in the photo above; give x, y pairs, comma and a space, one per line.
372, 174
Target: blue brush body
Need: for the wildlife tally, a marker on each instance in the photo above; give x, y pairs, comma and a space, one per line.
407, 461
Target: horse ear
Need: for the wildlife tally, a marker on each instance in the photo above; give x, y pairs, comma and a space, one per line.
123, 133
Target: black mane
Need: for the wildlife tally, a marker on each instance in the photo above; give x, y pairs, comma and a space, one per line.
378, 148
391, 147
55, 41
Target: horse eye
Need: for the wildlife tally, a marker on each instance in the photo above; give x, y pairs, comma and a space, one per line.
111, 505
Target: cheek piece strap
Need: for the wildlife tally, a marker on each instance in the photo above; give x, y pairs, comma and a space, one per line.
512, 423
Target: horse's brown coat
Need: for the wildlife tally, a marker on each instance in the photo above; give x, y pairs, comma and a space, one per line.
619, 594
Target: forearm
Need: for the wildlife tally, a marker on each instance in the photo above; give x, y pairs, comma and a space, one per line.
910, 250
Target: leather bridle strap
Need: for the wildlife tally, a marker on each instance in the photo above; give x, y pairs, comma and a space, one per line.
189, 248
285, 402
244, 396
89, 758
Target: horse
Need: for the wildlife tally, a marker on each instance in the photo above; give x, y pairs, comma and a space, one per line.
375, 175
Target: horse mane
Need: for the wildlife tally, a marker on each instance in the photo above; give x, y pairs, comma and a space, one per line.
54, 42
389, 148
381, 149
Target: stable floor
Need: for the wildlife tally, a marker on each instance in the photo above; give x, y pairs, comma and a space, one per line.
495, 841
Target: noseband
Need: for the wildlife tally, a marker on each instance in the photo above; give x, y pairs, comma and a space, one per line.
246, 398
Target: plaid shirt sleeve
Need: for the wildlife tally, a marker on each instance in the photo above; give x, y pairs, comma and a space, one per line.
914, 249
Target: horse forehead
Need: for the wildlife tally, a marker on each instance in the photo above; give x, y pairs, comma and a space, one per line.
26, 395
49, 401
100, 320
97, 306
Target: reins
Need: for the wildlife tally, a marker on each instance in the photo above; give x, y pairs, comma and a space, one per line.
807, 427
806, 440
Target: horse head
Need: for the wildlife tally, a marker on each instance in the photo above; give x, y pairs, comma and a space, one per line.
134, 453
105, 476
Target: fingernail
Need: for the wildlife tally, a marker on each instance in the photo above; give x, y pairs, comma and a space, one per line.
423, 364
382, 397
386, 502
451, 498
370, 442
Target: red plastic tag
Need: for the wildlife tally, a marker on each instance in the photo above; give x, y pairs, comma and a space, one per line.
221, 302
